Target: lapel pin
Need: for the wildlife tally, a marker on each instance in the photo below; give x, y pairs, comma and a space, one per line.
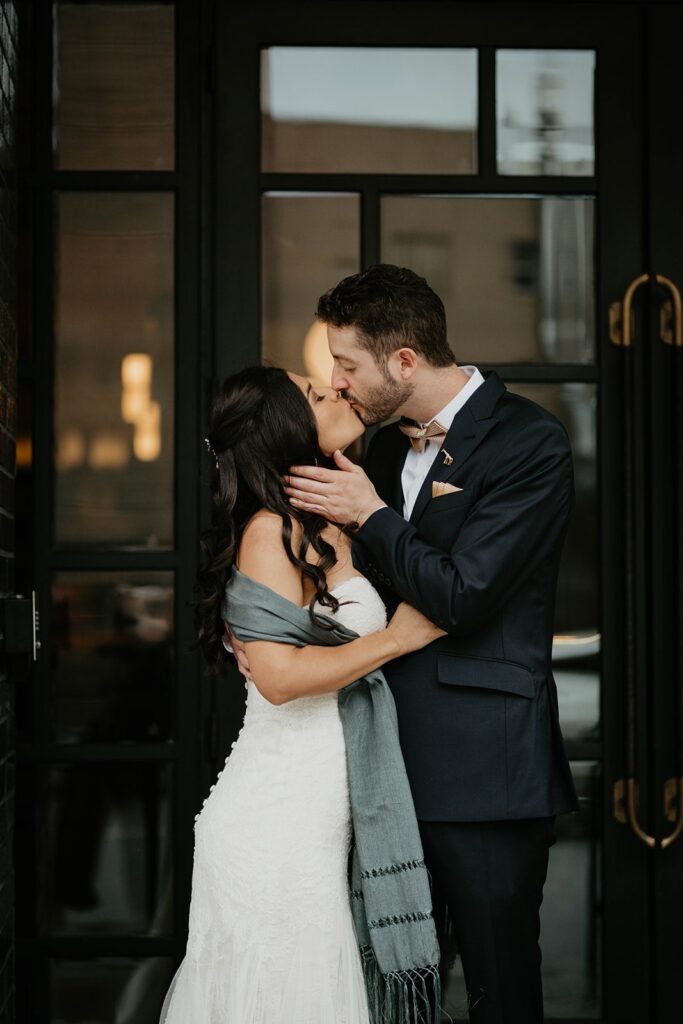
447, 459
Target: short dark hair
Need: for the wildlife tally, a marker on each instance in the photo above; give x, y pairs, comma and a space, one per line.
390, 307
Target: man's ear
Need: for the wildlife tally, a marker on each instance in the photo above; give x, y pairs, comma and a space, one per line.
405, 361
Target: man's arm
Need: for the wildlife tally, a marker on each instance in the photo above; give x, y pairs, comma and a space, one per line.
507, 534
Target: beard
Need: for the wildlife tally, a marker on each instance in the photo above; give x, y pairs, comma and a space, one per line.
381, 401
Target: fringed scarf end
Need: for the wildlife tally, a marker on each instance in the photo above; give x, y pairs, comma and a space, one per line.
401, 997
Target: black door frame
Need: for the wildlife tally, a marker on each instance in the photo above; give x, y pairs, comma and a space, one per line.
618, 33
218, 185
38, 183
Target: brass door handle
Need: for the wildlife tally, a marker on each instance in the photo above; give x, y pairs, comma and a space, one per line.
670, 314
621, 314
673, 810
621, 330
671, 333
626, 809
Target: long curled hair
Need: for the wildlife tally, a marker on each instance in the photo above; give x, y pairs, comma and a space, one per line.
260, 425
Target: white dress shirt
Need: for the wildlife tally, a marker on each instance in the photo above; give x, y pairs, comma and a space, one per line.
418, 464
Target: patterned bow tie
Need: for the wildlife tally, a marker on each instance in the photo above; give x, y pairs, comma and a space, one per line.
419, 435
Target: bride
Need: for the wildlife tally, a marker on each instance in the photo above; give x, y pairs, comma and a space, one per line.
272, 935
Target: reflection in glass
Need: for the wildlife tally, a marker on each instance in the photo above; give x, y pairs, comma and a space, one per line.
369, 110
112, 656
516, 275
114, 370
571, 925
576, 648
571, 913
310, 241
544, 111
114, 86
104, 989
108, 844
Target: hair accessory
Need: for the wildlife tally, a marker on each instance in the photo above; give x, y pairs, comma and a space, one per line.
211, 449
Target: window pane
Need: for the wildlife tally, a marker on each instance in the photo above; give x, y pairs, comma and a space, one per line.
516, 275
112, 656
114, 86
544, 111
105, 989
114, 370
576, 649
310, 241
396, 111
571, 928
109, 848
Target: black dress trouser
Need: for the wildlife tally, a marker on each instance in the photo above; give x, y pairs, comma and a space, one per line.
491, 876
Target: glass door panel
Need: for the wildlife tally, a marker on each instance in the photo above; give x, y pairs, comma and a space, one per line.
113, 657
309, 241
544, 111
100, 989
107, 836
369, 110
114, 86
515, 274
114, 370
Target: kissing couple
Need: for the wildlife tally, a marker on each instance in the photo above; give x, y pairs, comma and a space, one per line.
393, 622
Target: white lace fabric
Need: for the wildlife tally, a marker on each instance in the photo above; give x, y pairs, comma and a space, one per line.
271, 938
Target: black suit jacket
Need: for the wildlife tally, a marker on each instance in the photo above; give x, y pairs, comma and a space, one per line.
477, 709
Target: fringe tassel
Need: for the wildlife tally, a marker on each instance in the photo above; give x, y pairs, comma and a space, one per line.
401, 997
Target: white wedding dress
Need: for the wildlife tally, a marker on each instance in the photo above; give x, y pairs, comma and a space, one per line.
271, 937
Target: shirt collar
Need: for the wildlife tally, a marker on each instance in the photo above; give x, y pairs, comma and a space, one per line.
447, 414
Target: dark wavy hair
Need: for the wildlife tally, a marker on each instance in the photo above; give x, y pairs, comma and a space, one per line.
260, 424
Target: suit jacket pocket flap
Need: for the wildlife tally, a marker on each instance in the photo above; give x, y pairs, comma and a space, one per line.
487, 673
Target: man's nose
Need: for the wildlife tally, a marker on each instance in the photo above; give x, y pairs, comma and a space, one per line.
339, 383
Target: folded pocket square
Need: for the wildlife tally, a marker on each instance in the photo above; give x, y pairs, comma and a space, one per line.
439, 488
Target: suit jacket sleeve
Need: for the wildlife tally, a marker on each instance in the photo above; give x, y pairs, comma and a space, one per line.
516, 523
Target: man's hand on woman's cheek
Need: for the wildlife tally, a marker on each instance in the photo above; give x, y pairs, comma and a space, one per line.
343, 496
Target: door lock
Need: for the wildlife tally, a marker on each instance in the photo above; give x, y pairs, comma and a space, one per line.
20, 625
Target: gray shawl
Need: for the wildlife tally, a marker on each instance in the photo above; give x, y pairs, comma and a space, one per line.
390, 890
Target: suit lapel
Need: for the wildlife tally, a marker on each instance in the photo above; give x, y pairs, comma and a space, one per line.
470, 426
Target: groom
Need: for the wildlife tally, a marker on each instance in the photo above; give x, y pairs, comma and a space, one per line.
461, 509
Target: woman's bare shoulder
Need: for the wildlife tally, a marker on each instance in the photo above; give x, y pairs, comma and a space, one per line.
262, 555
265, 527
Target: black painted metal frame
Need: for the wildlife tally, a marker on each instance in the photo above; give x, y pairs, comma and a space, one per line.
617, 32
218, 185
39, 182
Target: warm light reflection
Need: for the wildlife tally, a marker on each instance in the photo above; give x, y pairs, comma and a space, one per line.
576, 639
136, 370
71, 449
147, 438
136, 378
316, 352
137, 408
133, 405
108, 451
24, 454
